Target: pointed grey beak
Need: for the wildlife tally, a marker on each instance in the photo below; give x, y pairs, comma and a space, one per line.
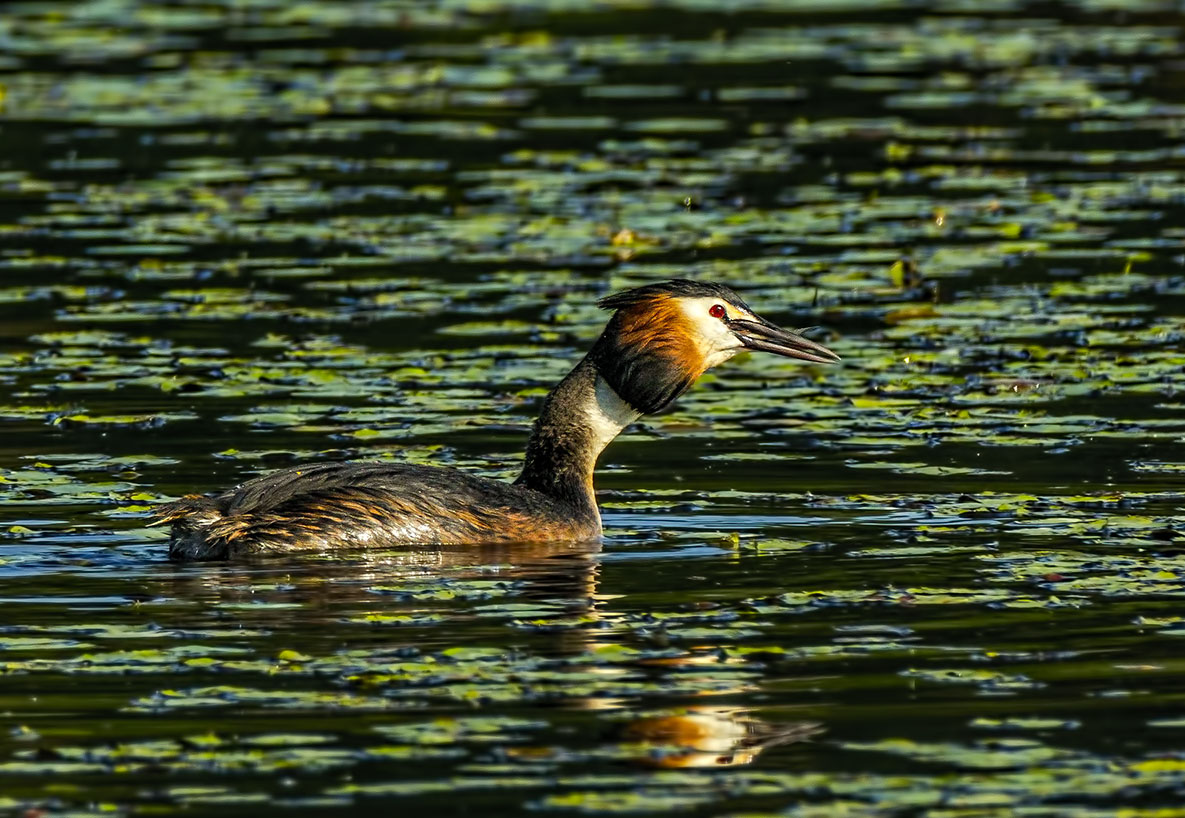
767, 337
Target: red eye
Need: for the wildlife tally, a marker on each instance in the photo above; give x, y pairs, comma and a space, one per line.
717, 311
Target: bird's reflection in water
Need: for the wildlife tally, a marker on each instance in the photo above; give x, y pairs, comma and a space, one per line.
292, 597
707, 737
308, 587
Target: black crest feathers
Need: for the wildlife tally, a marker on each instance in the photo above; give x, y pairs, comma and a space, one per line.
675, 288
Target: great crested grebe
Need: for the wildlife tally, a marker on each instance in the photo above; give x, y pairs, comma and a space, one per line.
661, 338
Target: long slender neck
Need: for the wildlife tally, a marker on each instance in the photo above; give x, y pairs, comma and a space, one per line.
578, 420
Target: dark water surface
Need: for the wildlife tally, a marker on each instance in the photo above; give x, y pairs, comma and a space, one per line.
941, 580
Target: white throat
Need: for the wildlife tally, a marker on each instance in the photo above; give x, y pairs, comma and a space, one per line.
608, 414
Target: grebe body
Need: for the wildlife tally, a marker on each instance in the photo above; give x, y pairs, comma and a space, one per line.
660, 339
339, 505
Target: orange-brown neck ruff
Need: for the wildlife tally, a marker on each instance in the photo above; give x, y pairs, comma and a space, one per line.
648, 354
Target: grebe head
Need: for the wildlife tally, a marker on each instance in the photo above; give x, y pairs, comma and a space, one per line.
664, 336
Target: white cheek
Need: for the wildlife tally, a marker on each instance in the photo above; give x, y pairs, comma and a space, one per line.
723, 337
715, 339
719, 357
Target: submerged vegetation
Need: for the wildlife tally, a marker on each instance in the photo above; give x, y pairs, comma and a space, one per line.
943, 580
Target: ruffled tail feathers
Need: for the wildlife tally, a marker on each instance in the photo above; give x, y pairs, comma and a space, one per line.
175, 510
201, 529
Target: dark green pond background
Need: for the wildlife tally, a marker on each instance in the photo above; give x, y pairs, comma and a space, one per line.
941, 580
